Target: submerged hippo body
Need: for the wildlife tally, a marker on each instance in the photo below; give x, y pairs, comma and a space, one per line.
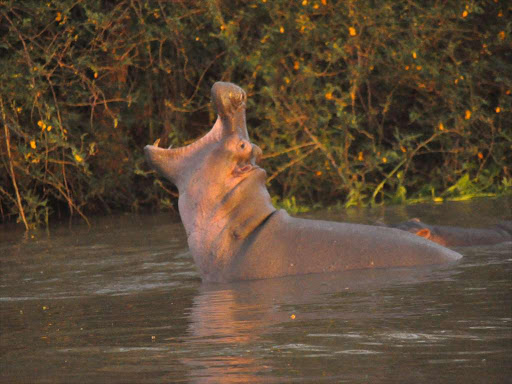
459, 237
235, 233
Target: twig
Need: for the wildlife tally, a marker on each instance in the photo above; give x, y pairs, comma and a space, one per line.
287, 150
13, 176
326, 153
288, 165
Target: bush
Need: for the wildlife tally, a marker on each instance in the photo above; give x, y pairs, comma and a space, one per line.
354, 102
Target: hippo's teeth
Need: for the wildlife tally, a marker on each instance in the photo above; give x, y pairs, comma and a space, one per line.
170, 146
156, 142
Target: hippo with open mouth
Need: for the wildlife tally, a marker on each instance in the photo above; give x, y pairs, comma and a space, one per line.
235, 233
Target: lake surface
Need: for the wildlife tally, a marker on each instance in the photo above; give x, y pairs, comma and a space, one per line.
121, 302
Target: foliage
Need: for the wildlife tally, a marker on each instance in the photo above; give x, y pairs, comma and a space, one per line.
354, 101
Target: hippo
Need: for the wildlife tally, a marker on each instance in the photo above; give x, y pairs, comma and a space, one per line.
456, 236
235, 233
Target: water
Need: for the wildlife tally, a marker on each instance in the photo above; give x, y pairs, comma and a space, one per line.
122, 303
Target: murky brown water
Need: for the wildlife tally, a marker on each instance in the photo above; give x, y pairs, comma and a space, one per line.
122, 303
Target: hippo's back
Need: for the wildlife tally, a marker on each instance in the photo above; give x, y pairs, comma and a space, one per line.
285, 245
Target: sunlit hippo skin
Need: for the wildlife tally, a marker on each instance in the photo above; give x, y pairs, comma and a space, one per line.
456, 236
235, 233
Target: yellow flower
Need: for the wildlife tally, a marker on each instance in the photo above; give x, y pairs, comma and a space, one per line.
19, 109
324, 2
418, 67
49, 128
498, 109
95, 75
40, 124
78, 158
281, 29
414, 55
318, 173
58, 17
480, 155
352, 31
403, 149
464, 14
296, 65
33, 144
305, 2
406, 67
501, 35
467, 116
441, 127
384, 160
360, 156
328, 95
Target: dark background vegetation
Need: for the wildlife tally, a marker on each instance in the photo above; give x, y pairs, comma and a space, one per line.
352, 102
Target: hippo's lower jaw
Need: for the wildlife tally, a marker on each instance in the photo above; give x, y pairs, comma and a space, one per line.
235, 233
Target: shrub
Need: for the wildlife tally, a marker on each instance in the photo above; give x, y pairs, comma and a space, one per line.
359, 102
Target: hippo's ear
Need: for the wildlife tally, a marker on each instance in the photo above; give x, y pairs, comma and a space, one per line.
229, 102
424, 232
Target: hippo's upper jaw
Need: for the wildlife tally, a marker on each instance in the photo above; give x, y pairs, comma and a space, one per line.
234, 231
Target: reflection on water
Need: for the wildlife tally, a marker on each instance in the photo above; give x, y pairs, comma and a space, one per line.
122, 303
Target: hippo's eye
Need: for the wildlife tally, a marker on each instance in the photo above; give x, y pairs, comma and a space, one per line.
242, 145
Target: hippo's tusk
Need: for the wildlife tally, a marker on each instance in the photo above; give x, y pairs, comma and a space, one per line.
170, 146
156, 142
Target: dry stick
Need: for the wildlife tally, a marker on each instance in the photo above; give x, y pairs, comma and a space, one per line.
13, 176
287, 150
70, 202
173, 194
421, 145
326, 153
201, 77
320, 146
294, 161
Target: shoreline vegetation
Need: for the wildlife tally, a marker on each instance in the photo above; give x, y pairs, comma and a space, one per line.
353, 102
